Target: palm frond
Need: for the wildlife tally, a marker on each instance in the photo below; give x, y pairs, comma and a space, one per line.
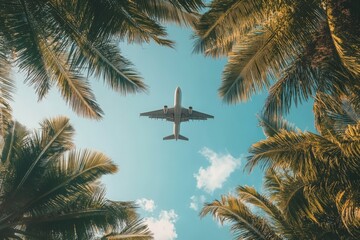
13, 140
88, 213
341, 18
135, 230
189, 5
297, 83
72, 172
55, 138
350, 145
104, 60
272, 126
245, 225
278, 221
166, 11
218, 28
7, 88
334, 113
20, 18
287, 149
74, 89
240, 80
348, 205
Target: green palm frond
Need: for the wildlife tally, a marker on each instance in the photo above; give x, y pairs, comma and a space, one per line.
72, 172
244, 224
54, 139
87, 214
19, 18
49, 191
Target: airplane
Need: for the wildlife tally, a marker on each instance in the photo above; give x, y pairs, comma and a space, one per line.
176, 114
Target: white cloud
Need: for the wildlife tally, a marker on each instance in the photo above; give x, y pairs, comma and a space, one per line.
147, 204
163, 227
221, 166
196, 201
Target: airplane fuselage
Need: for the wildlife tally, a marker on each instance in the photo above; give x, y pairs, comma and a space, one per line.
177, 112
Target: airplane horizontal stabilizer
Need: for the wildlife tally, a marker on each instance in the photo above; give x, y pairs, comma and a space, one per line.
169, 137
183, 138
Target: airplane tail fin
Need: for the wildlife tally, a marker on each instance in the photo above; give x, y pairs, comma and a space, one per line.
170, 137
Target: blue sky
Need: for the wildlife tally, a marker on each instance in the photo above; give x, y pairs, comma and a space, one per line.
169, 179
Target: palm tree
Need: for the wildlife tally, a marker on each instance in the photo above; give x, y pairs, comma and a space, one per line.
253, 215
49, 190
56, 41
294, 48
311, 180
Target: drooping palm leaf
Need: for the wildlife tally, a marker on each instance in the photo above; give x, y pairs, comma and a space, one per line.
272, 126
134, 231
342, 17
54, 42
244, 224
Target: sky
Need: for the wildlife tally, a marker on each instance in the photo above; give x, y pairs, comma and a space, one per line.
169, 180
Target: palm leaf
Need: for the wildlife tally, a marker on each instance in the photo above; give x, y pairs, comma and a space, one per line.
88, 214
245, 225
135, 230
219, 27
165, 11
19, 18
278, 221
7, 88
74, 89
55, 138
273, 126
288, 149
341, 17
72, 173
297, 83
13, 140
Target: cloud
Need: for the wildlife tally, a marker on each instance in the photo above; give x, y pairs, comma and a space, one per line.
147, 204
196, 201
163, 227
221, 166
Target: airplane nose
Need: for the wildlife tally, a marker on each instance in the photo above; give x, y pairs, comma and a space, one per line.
178, 89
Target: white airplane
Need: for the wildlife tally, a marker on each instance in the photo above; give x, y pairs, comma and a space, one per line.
177, 114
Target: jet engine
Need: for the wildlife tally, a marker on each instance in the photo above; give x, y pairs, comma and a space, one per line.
165, 109
190, 110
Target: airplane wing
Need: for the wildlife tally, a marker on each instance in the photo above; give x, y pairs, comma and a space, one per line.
160, 114
187, 114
